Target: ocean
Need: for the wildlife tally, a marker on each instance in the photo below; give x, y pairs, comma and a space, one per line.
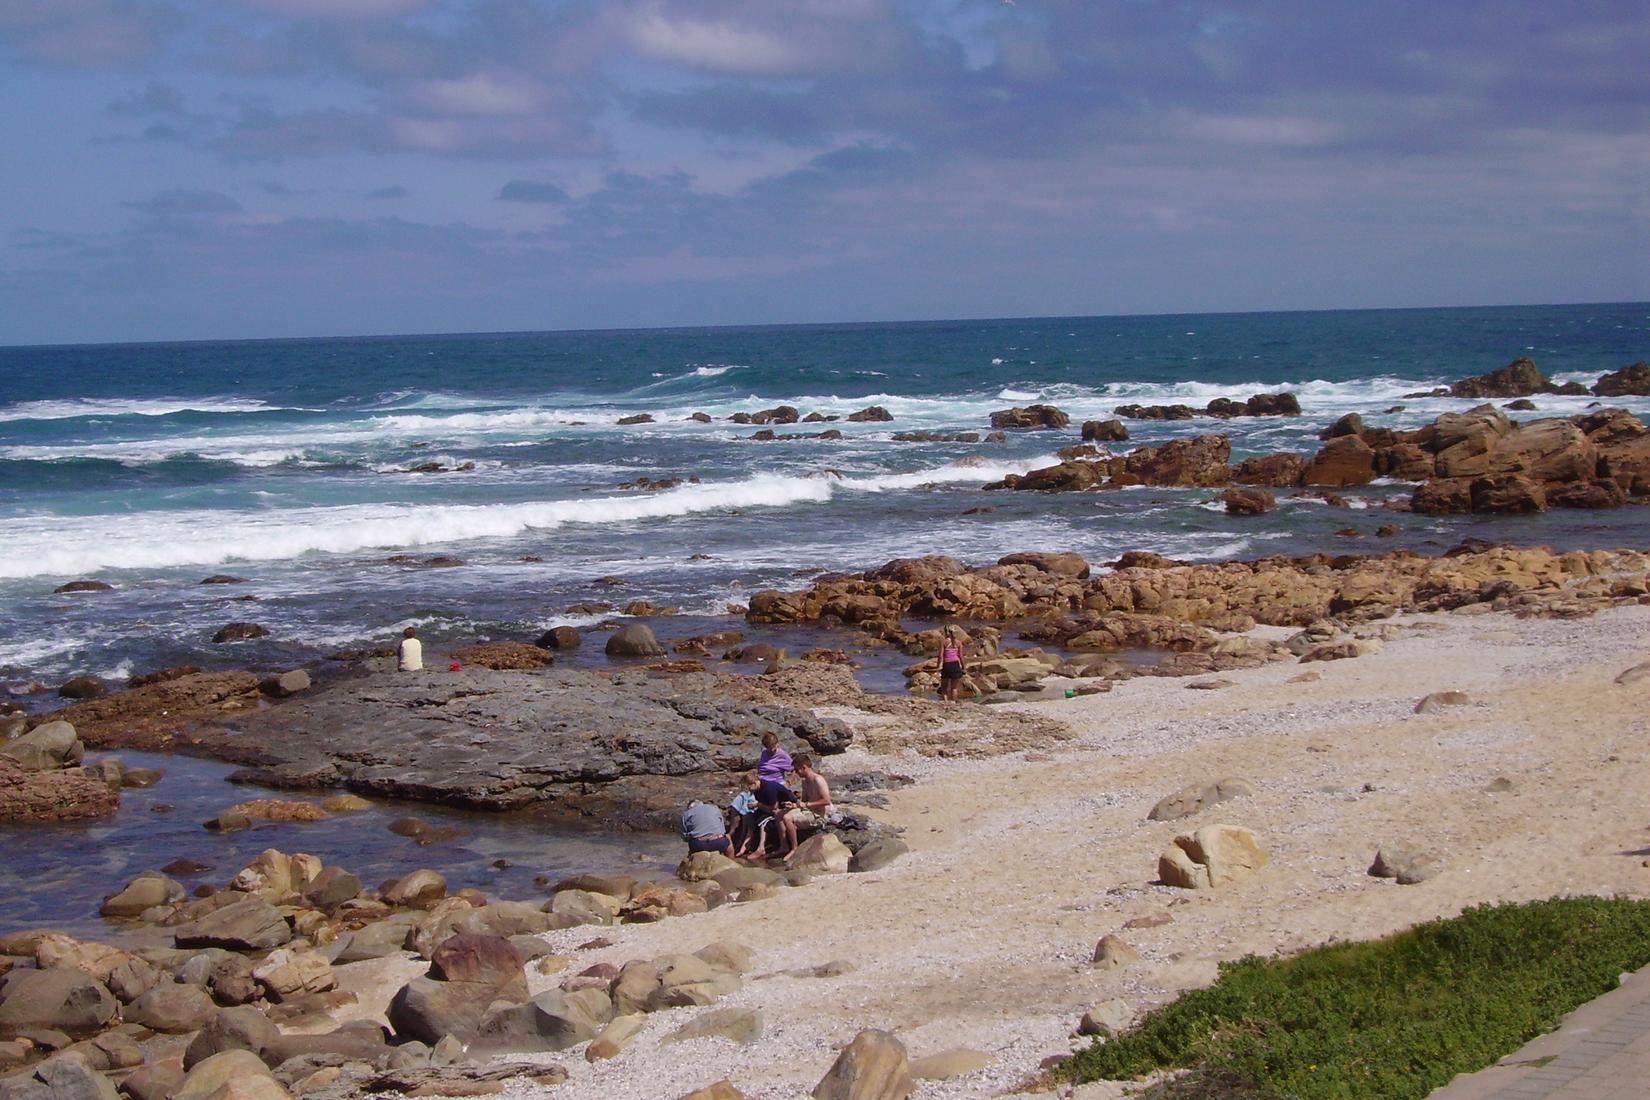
287, 462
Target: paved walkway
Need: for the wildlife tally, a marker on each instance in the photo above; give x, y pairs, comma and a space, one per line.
1601, 1051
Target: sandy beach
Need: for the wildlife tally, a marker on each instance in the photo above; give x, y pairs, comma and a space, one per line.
982, 936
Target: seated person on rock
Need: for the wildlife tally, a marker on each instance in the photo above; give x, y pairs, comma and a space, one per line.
744, 810
813, 805
774, 804
704, 830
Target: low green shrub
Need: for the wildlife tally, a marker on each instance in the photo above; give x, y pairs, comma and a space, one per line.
1392, 1018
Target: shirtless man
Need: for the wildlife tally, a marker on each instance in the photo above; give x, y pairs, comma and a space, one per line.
814, 808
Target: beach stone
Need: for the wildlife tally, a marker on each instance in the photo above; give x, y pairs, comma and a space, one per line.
377, 940
1030, 416
821, 853
633, 992
1343, 650
240, 632
1111, 953
287, 683
113, 1050
62, 998
1104, 431
205, 1080
158, 1080
331, 888
737, 1025
47, 747
83, 687
132, 979
559, 637
239, 1028
874, 1066
634, 640
614, 886
957, 1062
345, 804
230, 980
1442, 700
66, 1076
227, 822
700, 866
247, 924
551, 1021
615, 1037
286, 973
716, 1090
426, 1009
1212, 856
1635, 674
737, 878
685, 980
97, 959
585, 907
731, 958
83, 586
878, 854
419, 890
1247, 502
1107, 1018
172, 1008
485, 960
1406, 863
1498, 784
1197, 797
512, 656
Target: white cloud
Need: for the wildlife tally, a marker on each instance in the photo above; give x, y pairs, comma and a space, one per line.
719, 47
1277, 130
482, 93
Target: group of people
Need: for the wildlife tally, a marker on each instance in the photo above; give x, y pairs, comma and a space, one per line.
765, 816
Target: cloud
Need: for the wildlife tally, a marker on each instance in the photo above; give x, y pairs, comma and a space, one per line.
86, 34
718, 47
155, 99
395, 191
339, 9
532, 191
481, 93
183, 203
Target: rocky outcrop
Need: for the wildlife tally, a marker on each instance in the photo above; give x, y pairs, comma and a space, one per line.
1104, 431
160, 715
1520, 378
504, 655
1633, 381
1224, 408
1031, 416
1248, 502
625, 747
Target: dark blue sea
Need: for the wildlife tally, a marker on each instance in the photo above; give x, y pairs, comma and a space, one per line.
151, 466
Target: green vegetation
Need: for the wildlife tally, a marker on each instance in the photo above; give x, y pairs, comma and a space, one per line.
1392, 1019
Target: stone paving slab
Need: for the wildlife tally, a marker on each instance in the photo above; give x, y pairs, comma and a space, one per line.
1601, 1051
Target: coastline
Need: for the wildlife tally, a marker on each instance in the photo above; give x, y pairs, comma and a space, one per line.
981, 937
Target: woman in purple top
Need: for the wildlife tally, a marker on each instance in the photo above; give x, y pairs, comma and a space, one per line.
775, 762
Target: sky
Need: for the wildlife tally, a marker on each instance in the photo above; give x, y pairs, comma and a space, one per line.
177, 169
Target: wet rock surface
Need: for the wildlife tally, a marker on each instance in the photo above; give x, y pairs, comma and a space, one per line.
622, 746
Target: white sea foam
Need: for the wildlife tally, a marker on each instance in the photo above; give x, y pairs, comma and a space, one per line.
156, 406
1017, 395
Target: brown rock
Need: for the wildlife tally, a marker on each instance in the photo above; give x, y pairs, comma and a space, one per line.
1212, 856
1031, 416
1248, 502
517, 656
33, 796
1278, 470
1112, 953
1346, 460
1633, 381
874, 1066
1520, 378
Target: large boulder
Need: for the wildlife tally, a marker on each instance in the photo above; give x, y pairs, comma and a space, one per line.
287, 973
1104, 431
1247, 502
240, 1028
173, 1008
1633, 381
1280, 470
551, 1021
1344, 460
66, 1076
144, 892
482, 959
212, 1078
1520, 378
1511, 494
1212, 856
875, 1066
1545, 450
246, 924
821, 853
1031, 416
1462, 442
47, 747
634, 640
1200, 461
62, 998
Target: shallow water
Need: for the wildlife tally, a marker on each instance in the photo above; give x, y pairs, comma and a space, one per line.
57, 875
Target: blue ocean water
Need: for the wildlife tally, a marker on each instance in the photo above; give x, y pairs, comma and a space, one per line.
286, 463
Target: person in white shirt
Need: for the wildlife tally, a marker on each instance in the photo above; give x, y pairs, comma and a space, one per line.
410, 657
